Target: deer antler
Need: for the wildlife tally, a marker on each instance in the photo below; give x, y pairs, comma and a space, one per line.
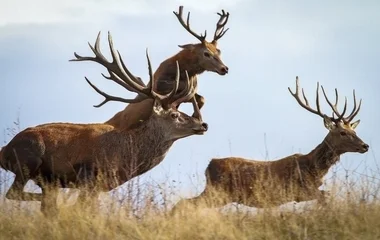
186, 25
355, 110
219, 31
334, 107
306, 105
120, 74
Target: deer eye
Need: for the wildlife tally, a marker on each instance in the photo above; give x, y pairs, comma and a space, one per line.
174, 115
206, 54
343, 133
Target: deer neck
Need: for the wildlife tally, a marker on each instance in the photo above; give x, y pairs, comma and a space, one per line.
322, 158
188, 61
144, 147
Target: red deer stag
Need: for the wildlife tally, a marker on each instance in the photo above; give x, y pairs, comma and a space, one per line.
74, 155
193, 58
293, 178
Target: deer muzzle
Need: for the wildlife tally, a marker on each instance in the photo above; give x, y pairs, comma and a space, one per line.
364, 148
223, 70
202, 129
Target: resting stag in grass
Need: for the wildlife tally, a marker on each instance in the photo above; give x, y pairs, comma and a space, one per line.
293, 178
72, 155
193, 58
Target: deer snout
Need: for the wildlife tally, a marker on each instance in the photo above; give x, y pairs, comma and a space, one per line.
223, 70
365, 147
205, 126
200, 129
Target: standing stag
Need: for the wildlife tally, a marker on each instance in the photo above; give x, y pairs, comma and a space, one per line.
78, 155
193, 58
293, 178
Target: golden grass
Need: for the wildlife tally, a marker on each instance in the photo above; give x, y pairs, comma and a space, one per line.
338, 220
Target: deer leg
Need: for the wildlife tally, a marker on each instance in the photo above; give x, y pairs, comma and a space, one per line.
319, 195
198, 102
16, 191
204, 200
49, 206
85, 195
24, 165
322, 196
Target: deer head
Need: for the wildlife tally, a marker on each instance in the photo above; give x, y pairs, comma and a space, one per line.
342, 136
206, 53
164, 111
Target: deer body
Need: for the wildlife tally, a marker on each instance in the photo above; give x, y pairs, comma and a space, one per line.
92, 147
267, 183
76, 155
293, 178
193, 59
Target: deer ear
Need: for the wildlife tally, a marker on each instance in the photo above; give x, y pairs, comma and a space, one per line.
330, 125
157, 106
355, 124
187, 46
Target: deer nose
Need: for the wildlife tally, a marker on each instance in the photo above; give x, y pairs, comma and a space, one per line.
205, 126
224, 69
365, 146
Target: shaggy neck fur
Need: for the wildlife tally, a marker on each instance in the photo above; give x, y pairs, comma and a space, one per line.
322, 158
136, 151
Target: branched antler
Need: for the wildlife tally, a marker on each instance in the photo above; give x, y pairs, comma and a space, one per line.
120, 74
186, 25
340, 116
219, 31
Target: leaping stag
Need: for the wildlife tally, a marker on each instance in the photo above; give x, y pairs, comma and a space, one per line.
72, 155
293, 178
193, 58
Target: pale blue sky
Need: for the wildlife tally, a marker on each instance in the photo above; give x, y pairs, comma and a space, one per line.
268, 44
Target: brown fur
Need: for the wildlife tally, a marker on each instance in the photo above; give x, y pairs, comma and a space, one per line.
271, 183
98, 157
192, 60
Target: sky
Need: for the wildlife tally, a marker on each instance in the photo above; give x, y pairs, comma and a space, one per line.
249, 111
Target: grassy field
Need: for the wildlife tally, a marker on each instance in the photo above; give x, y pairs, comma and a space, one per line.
340, 219
346, 216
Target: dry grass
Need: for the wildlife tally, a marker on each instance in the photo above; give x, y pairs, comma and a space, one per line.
341, 219
345, 217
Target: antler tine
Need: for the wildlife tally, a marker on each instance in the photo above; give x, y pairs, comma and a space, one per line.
176, 80
334, 107
117, 69
178, 14
120, 74
156, 95
186, 93
135, 83
348, 118
305, 105
108, 97
219, 31
317, 100
354, 115
354, 111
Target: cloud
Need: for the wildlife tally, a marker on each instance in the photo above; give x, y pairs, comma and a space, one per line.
52, 11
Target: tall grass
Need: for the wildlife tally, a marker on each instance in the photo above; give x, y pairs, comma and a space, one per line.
340, 219
352, 212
